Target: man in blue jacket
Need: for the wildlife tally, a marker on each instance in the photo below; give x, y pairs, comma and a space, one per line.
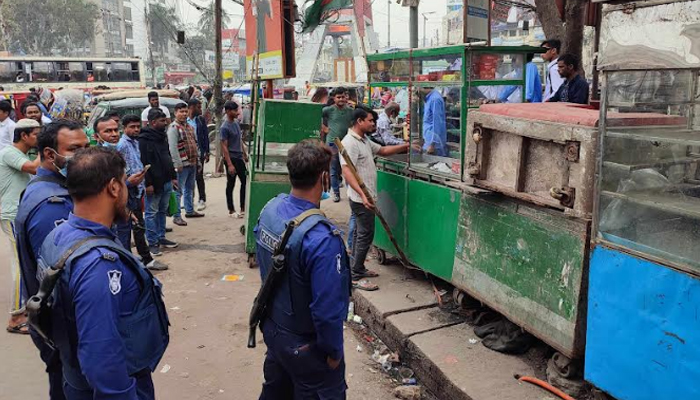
303, 329
108, 319
44, 205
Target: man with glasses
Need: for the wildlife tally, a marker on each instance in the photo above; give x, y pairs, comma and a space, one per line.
552, 79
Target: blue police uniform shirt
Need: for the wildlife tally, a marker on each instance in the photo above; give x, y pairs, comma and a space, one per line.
103, 288
320, 252
46, 218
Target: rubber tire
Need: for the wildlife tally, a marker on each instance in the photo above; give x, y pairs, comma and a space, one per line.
381, 257
251, 261
242, 230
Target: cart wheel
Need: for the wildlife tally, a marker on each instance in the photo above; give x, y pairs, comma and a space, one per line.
568, 368
381, 257
251, 261
242, 230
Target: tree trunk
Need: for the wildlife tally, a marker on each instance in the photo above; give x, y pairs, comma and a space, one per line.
575, 13
548, 14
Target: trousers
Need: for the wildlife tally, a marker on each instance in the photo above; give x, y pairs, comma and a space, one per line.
17, 292
125, 231
296, 369
185, 180
156, 212
144, 388
239, 164
364, 235
336, 170
201, 188
54, 367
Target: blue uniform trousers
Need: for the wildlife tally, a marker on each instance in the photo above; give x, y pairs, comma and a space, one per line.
296, 369
144, 388
54, 368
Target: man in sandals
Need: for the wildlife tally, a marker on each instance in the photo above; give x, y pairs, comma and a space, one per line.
362, 151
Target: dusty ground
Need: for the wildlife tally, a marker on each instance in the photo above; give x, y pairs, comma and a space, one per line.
207, 357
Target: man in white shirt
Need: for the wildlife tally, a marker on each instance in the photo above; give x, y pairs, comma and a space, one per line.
552, 79
154, 102
7, 125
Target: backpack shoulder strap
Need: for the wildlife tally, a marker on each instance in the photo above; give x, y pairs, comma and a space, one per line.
306, 214
76, 250
48, 178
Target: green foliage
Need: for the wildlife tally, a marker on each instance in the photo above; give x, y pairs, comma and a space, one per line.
164, 26
206, 24
49, 27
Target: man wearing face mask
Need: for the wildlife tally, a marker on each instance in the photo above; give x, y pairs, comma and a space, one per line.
44, 205
306, 313
109, 322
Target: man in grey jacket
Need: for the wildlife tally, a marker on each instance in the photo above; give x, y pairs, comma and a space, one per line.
183, 150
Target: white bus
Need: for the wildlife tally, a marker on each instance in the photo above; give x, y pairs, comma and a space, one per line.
22, 73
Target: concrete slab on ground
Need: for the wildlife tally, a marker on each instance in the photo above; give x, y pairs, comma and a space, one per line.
448, 359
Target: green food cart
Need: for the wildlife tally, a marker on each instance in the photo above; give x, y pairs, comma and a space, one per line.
511, 233
280, 125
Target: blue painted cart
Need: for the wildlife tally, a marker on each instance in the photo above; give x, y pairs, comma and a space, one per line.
643, 331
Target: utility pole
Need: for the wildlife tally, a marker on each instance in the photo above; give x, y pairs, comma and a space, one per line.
218, 83
414, 26
388, 23
425, 22
151, 61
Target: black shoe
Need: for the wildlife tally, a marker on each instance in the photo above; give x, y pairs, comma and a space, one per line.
194, 215
179, 221
168, 244
156, 266
168, 230
336, 198
155, 250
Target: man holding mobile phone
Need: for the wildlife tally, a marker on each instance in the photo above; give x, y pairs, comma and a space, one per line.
128, 147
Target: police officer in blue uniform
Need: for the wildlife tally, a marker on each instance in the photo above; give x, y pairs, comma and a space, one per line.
44, 205
303, 328
107, 318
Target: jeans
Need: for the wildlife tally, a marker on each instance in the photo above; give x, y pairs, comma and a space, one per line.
17, 292
296, 368
185, 179
200, 185
352, 226
336, 170
156, 212
364, 235
239, 164
125, 230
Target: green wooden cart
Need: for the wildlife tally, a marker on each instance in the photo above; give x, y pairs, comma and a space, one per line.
281, 124
523, 257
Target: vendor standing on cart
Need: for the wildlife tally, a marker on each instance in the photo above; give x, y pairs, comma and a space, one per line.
434, 123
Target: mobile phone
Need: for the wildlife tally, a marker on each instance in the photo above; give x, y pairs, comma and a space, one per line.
146, 168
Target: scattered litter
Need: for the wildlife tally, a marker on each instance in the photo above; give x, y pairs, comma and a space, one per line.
185, 375
408, 392
351, 311
383, 360
411, 299
357, 319
394, 357
408, 381
350, 375
359, 348
368, 338
405, 373
372, 370
165, 369
473, 341
450, 359
175, 308
207, 284
201, 346
221, 390
222, 298
232, 278
441, 167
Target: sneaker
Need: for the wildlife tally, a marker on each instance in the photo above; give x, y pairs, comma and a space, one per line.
179, 221
194, 215
155, 250
336, 198
232, 213
201, 205
239, 214
156, 266
168, 230
168, 244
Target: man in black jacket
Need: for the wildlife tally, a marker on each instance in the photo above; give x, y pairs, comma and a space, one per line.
160, 179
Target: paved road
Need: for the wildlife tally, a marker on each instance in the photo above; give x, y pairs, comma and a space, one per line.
207, 357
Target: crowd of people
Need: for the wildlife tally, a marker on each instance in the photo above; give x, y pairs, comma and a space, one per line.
114, 195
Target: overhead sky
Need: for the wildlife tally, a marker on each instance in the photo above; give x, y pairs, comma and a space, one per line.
380, 8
